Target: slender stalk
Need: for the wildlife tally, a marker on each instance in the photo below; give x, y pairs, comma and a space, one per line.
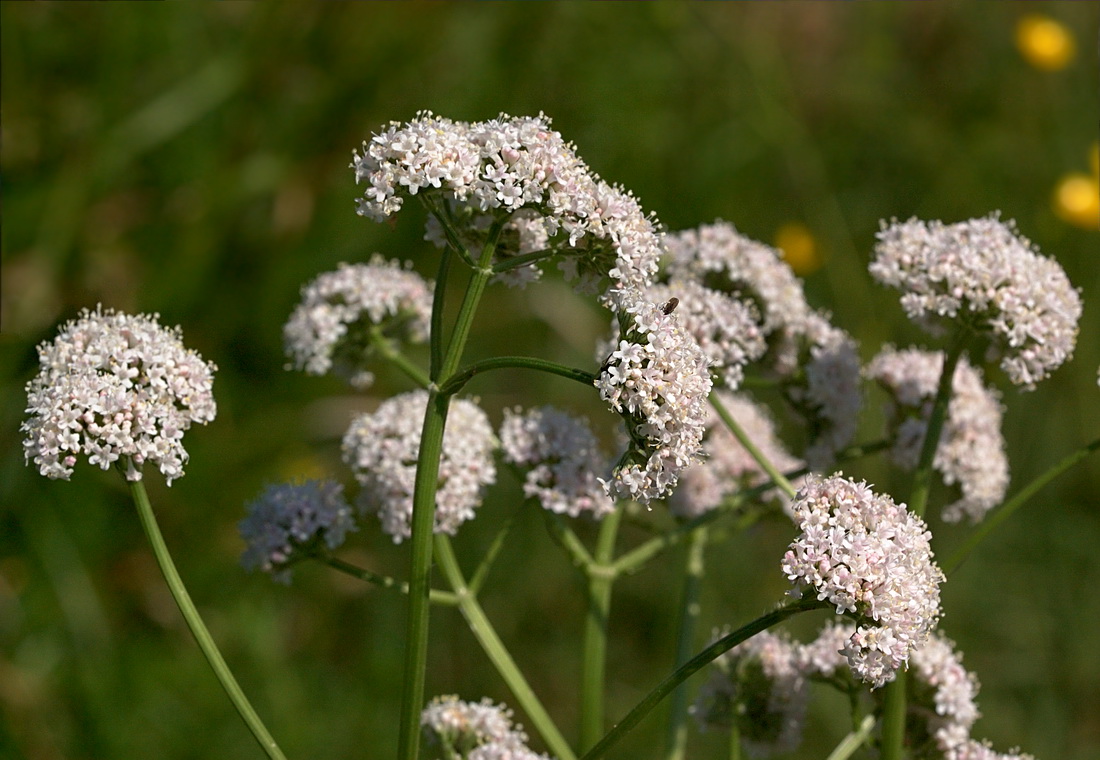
435, 334
685, 671
198, 628
685, 641
492, 645
383, 581
455, 382
600, 578
1009, 507
515, 262
893, 716
567, 540
765, 463
490, 557
389, 351
853, 741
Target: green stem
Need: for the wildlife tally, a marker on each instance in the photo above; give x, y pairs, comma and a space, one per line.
383, 581
765, 463
502, 660
455, 382
893, 717
389, 351
435, 336
600, 577
516, 262
685, 641
1013, 504
568, 541
490, 557
441, 212
708, 655
198, 628
853, 741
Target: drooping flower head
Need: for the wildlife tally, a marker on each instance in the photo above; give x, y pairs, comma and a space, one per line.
115, 388
381, 448
983, 272
759, 686
562, 458
475, 730
971, 450
871, 558
520, 171
288, 520
658, 379
331, 328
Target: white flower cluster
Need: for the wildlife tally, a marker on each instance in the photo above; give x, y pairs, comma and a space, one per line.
115, 388
985, 273
382, 447
475, 730
291, 517
759, 685
562, 458
971, 450
657, 378
728, 467
329, 329
870, 557
501, 166
726, 328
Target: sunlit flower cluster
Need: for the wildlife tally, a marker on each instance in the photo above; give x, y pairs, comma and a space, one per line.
288, 520
971, 450
504, 165
381, 448
728, 468
475, 730
562, 458
657, 378
115, 388
330, 329
982, 272
869, 557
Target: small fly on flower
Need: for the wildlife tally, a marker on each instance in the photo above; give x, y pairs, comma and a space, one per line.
670, 306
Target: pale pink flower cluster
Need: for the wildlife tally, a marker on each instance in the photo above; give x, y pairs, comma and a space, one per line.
562, 458
758, 685
115, 388
728, 467
971, 450
983, 272
972, 749
329, 329
382, 447
869, 557
289, 519
954, 690
475, 730
501, 166
658, 379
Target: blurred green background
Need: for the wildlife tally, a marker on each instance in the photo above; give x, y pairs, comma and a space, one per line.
192, 160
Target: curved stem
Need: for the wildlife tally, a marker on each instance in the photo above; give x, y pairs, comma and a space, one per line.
765, 463
389, 351
600, 578
455, 382
198, 628
1010, 506
708, 655
492, 645
383, 581
685, 641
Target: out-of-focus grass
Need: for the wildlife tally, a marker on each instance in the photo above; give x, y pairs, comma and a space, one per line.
192, 160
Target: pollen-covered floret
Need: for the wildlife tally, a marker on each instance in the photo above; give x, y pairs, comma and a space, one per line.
115, 388
331, 328
983, 272
381, 448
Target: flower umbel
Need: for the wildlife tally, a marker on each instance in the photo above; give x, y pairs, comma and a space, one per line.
475, 730
115, 388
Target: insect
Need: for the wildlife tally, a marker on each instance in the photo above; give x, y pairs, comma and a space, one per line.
670, 307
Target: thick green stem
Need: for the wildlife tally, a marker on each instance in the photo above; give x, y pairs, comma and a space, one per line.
765, 463
439, 296
893, 717
685, 642
708, 655
455, 382
600, 578
198, 628
496, 651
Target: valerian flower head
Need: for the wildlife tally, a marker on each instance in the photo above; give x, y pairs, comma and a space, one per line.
728, 468
971, 450
946, 689
289, 520
984, 273
659, 380
562, 458
331, 328
869, 557
475, 730
381, 448
115, 388
492, 171
759, 686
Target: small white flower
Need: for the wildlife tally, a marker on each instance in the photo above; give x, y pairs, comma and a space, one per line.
475, 730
